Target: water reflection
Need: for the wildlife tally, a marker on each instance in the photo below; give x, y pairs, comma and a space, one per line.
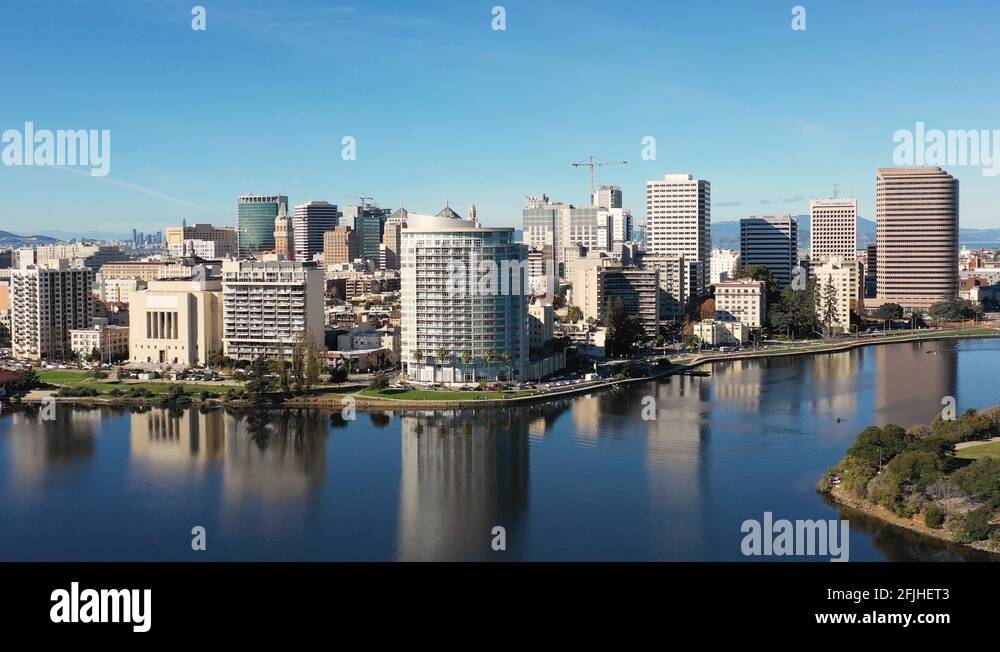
584, 478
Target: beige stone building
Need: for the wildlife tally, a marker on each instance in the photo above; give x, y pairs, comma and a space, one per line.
843, 276
176, 323
743, 301
111, 342
340, 245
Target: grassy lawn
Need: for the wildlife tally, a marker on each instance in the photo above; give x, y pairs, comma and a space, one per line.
425, 395
63, 376
983, 450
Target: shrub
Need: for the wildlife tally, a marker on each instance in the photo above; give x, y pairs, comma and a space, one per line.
934, 517
380, 381
974, 526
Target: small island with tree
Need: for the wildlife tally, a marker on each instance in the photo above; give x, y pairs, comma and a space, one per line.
942, 480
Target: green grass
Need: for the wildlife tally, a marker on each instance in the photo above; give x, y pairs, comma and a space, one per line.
425, 395
64, 376
982, 450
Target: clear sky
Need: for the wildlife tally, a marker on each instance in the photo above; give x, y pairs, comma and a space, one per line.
444, 108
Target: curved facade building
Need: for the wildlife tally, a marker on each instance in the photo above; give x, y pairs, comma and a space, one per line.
439, 316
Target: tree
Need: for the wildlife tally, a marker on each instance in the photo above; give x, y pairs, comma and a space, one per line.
574, 314
281, 368
888, 311
795, 311
772, 287
259, 379
442, 354
313, 361
489, 356
466, 361
954, 310
506, 360
707, 310
298, 364
624, 331
828, 305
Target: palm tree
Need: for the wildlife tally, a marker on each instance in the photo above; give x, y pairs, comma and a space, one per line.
418, 356
489, 356
506, 360
441, 355
466, 359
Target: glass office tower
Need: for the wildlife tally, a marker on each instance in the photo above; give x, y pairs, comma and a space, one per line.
255, 216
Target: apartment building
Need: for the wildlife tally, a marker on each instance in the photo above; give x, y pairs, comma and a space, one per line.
340, 246
110, 342
224, 236
724, 265
742, 300
439, 316
844, 277
269, 306
47, 302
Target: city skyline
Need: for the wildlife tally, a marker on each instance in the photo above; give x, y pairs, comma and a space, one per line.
478, 134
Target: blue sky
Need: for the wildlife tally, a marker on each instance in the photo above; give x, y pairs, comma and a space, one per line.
444, 108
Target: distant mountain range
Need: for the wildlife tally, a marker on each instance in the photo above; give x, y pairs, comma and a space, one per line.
727, 234
8, 239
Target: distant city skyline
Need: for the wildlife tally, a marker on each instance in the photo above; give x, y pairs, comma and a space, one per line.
446, 110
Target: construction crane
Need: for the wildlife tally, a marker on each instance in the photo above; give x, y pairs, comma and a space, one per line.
593, 162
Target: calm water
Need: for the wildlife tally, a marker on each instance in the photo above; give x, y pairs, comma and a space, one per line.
585, 479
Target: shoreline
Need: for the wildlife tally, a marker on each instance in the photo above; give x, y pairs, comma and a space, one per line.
841, 497
335, 399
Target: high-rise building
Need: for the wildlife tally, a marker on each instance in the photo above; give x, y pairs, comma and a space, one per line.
268, 306
284, 234
871, 270
607, 197
47, 302
833, 229
339, 246
916, 216
555, 226
679, 220
312, 220
388, 252
441, 317
255, 215
176, 322
368, 221
772, 241
678, 278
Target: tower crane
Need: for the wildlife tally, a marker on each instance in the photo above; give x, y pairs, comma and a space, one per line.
592, 162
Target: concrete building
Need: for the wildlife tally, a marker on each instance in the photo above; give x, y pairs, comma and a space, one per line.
176, 322
724, 264
389, 251
269, 306
833, 229
119, 290
5, 314
312, 220
679, 221
541, 322
134, 270
637, 287
110, 342
772, 241
340, 245
713, 332
78, 254
255, 215
679, 279
843, 276
439, 315
47, 302
554, 227
916, 225
368, 221
224, 236
207, 249
741, 300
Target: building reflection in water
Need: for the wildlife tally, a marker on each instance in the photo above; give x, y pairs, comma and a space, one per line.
38, 443
911, 380
462, 475
267, 454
